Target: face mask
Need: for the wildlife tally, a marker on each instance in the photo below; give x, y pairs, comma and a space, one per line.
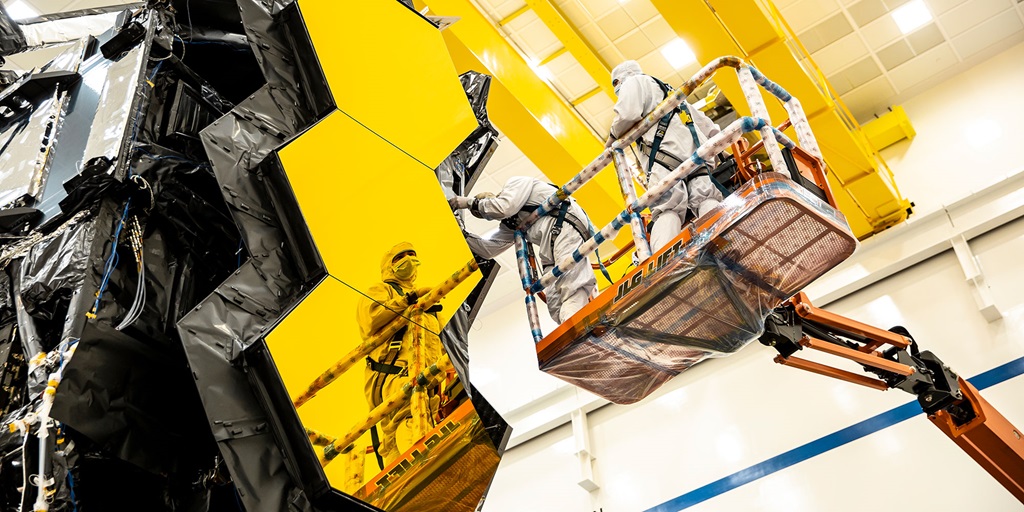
405, 269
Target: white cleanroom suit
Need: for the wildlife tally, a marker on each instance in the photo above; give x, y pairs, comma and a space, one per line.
638, 95
518, 198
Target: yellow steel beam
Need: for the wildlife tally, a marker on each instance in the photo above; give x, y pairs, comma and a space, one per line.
554, 55
527, 110
586, 96
515, 14
574, 41
752, 29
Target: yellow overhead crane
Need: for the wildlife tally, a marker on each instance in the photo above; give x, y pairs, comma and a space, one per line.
753, 29
525, 108
535, 118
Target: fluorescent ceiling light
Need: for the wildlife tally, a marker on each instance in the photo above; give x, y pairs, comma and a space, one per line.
678, 53
19, 10
911, 16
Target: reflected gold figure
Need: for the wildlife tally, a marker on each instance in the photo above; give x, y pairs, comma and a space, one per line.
387, 366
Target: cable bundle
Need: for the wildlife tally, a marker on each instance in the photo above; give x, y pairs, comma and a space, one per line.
135, 240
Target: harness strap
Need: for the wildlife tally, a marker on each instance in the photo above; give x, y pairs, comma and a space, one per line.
385, 368
375, 441
585, 230
662, 129
557, 228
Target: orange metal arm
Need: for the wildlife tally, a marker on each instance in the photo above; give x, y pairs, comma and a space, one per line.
953, 404
989, 439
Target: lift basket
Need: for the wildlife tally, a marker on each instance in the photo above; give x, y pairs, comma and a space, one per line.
704, 295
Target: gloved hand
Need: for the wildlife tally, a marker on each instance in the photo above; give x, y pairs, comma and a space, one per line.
611, 140
459, 202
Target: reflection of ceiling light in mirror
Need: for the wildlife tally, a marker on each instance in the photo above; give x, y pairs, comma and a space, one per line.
19, 10
911, 16
678, 53
982, 133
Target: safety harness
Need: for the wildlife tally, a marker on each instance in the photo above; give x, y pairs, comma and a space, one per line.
654, 152
386, 368
668, 160
585, 230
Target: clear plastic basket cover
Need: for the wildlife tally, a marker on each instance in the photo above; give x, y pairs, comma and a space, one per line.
704, 295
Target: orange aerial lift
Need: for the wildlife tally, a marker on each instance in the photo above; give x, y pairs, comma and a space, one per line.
734, 276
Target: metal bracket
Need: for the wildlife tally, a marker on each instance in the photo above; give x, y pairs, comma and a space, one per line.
581, 436
976, 278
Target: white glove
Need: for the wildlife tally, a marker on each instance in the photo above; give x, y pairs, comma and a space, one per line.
459, 202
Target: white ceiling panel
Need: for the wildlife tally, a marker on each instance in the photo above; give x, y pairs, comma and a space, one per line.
575, 80
922, 67
658, 31
997, 29
972, 13
654, 63
804, 14
598, 8
912, 62
635, 43
641, 11
616, 24
871, 98
840, 54
866, 11
881, 32
938, 7
895, 55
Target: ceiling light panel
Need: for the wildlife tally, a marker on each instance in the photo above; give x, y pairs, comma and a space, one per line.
678, 53
911, 16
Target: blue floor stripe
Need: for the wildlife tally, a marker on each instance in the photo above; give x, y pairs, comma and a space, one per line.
826, 443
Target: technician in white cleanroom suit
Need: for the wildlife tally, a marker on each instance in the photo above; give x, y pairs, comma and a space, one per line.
517, 199
638, 95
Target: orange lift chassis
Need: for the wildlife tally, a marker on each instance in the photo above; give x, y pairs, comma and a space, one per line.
952, 403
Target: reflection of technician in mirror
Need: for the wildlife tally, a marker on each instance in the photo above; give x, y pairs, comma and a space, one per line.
387, 366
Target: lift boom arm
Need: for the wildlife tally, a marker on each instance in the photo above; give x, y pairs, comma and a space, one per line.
951, 403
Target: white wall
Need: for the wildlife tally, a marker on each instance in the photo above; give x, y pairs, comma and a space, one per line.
967, 133
727, 415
